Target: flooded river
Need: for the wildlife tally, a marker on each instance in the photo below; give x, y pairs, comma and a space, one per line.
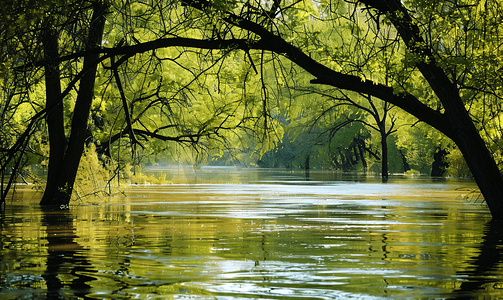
229, 233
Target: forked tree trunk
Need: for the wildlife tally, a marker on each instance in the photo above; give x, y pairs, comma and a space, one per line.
63, 167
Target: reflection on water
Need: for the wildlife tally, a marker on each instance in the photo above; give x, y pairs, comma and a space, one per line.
227, 233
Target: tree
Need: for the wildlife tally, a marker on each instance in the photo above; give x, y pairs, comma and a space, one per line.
418, 143
443, 55
379, 117
373, 115
125, 77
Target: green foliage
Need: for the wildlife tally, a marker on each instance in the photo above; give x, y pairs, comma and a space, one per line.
419, 143
457, 165
94, 175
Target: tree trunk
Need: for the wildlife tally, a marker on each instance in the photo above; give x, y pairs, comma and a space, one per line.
384, 156
54, 118
362, 157
438, 166
59, 190
306, 165
481, 164
405, 164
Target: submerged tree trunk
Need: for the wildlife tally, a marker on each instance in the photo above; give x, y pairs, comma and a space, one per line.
405, 164
54, 118
64, 165
481, 163
384, 156
362, 156
438, 166
306, 165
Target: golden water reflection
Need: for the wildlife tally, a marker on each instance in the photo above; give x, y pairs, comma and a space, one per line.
272, 236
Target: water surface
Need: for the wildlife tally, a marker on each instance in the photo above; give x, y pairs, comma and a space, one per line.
229, 233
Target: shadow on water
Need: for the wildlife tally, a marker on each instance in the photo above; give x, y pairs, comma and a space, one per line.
64, 256
484, 273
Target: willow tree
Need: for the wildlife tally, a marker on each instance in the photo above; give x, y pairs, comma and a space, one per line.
452, 47
334, 110
98, 71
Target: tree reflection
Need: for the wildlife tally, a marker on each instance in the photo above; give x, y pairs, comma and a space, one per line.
66, 266
484, 268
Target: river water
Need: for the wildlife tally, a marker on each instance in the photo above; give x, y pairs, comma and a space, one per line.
230, 233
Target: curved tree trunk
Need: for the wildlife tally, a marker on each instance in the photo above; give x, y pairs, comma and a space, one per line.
480, 161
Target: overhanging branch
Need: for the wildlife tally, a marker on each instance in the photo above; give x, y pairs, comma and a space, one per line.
324, 75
